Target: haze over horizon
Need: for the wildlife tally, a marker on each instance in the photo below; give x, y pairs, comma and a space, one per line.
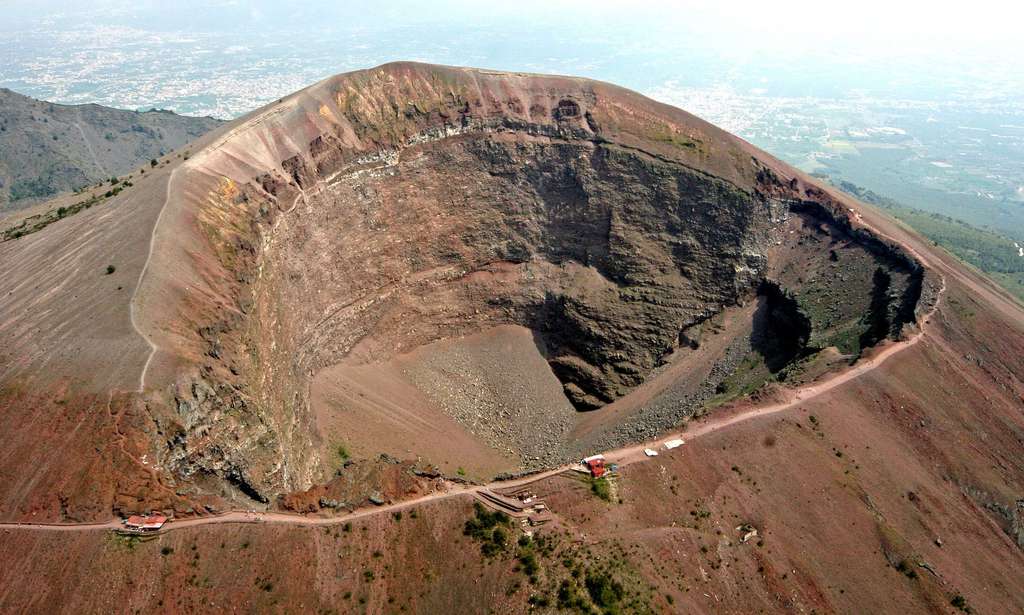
909, 50
921, 102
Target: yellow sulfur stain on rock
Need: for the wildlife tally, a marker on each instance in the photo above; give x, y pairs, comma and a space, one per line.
227, 190
327, 114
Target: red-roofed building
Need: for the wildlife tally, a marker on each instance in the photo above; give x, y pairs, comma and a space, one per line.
145, 523
596, 465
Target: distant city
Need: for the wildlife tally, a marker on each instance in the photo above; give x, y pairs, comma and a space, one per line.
954, 147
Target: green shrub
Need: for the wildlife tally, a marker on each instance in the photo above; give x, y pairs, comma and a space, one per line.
604, 591
529, 562
488, 528
601, 488
906, 567
960, 602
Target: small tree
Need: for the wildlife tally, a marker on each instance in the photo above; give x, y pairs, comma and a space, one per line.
153, 162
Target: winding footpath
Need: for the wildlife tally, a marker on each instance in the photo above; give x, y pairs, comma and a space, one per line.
92, 152
138, 284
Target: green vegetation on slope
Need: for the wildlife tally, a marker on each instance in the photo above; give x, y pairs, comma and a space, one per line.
988, 250
490, 528
585, 579
39, 222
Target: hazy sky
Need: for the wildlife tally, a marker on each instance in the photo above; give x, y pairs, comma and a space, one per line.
933, 82
889, 48
872, 26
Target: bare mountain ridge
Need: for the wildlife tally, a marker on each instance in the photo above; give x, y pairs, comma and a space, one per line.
405, 278
386, 210
48, 148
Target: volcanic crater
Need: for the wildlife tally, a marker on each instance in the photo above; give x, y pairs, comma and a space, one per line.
487, 273
481, 269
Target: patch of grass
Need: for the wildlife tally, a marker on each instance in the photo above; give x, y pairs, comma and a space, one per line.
529, 563
601, 488
847, 341
750, 374
605, 591
569, 598
39, 222
125, 541
342, 452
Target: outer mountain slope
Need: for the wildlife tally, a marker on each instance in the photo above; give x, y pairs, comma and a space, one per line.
47, 148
